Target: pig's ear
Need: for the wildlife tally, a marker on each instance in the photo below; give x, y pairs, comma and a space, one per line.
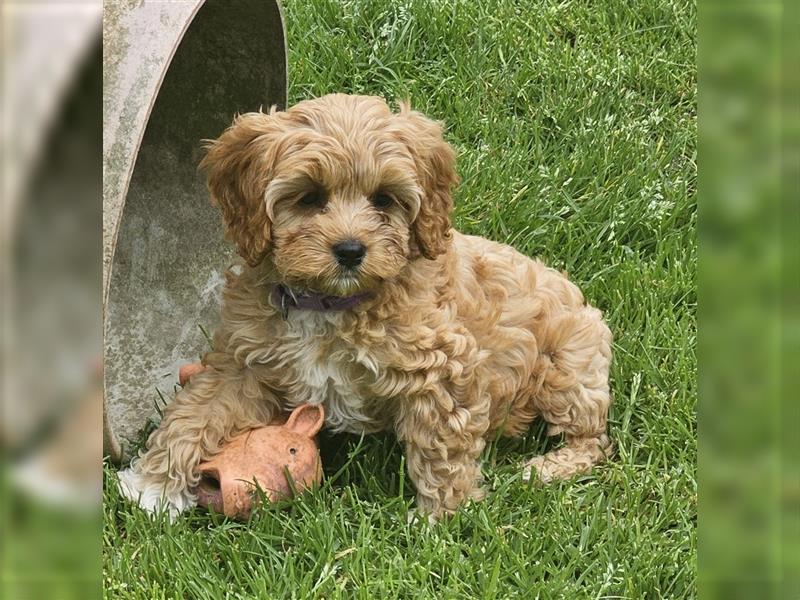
306, 419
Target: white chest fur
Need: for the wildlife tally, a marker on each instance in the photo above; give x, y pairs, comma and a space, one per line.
328, 371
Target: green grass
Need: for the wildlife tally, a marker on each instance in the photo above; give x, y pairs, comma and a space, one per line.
575, 127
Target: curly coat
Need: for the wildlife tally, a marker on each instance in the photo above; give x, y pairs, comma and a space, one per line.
462, 338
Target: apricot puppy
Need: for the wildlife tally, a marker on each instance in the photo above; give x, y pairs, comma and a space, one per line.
357, 294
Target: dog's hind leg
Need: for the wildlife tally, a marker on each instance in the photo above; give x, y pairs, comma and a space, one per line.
574, 398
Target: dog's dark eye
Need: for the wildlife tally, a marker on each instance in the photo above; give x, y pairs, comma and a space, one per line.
313, 199
382, 200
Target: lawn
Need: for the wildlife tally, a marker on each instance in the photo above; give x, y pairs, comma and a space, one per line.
575, 128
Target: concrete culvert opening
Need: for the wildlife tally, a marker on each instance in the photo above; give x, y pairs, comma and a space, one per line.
164, 252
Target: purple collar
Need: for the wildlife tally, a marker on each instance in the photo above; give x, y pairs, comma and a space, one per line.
285, 298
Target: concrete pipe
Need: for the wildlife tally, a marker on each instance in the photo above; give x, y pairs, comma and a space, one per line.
174, 73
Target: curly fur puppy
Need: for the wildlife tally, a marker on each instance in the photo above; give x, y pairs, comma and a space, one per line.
356, 293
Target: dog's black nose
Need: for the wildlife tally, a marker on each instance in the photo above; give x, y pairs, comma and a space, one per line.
349, 253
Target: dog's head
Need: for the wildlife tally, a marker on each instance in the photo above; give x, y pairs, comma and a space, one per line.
338, 192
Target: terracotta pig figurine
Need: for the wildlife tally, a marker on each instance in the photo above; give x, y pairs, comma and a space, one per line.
264, 455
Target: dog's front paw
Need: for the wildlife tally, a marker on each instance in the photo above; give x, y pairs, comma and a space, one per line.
537, 469
433, 511
416, 516
151, 496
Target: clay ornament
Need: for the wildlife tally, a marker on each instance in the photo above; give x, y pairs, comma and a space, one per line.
263, 456
186, 372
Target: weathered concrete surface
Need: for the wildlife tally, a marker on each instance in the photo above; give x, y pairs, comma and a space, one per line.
139, 39
49, 214
45, 47
164, 253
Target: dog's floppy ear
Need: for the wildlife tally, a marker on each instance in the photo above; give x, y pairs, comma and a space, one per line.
435, 161
239, 166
